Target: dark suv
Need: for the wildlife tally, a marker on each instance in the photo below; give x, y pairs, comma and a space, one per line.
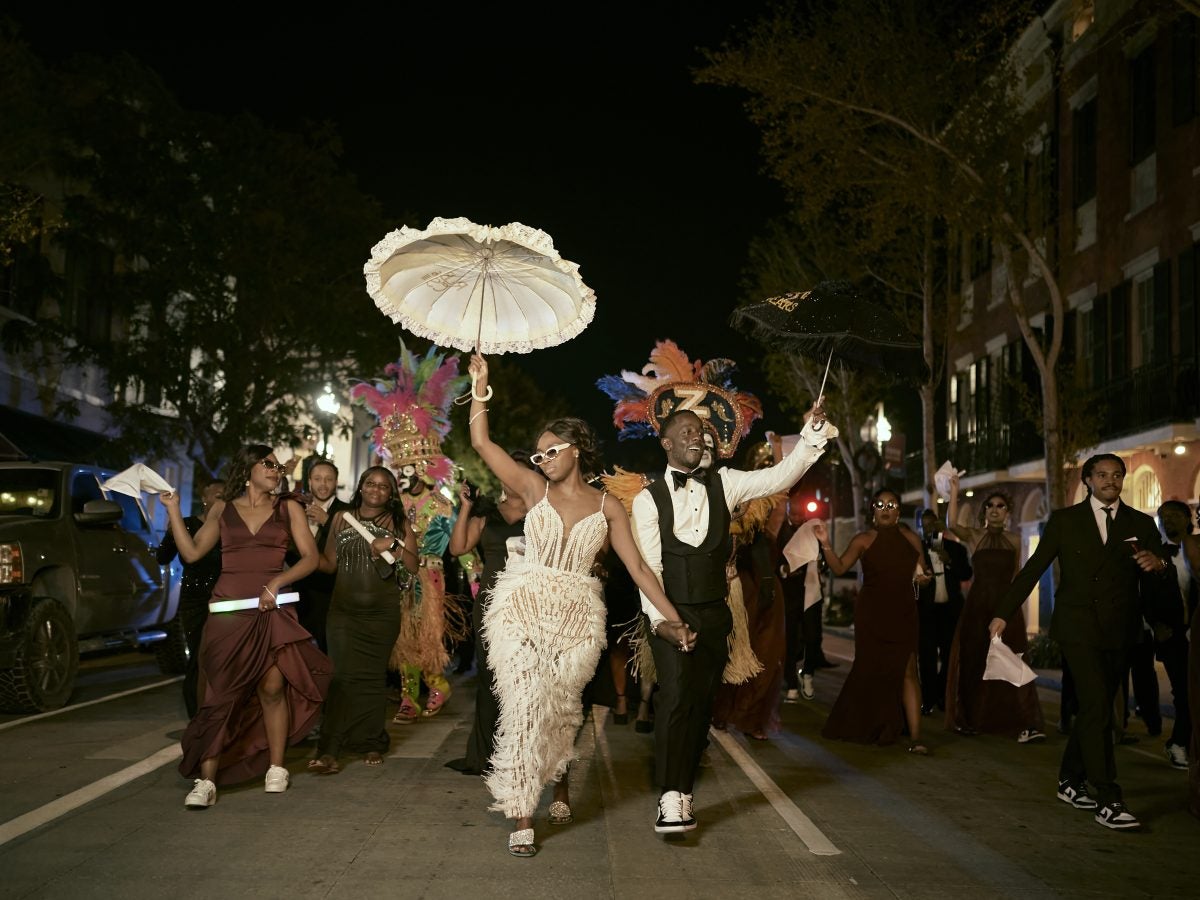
77, 574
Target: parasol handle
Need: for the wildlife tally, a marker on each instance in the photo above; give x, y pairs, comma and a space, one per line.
475, 396
821, 393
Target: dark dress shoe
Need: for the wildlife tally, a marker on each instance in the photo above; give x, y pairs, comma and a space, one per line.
643, 726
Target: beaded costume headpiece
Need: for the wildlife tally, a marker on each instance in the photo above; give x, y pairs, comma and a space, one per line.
412, 402
670, 382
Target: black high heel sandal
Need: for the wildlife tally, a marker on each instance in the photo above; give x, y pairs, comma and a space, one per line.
621, 718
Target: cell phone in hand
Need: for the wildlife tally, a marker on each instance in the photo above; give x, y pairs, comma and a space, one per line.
472, 491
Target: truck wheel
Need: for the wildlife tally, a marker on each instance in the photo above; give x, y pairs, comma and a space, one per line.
171, 653
47, 659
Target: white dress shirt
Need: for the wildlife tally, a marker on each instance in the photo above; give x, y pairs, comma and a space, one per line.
690, 502
1101, 516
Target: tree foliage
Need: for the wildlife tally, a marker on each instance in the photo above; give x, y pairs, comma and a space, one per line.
235, 283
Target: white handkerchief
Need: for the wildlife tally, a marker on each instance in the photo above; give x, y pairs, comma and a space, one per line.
137, 478
803, 547
941, 478
1005, 665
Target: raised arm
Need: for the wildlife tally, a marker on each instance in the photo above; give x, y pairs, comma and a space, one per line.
965, 533
839, 565
192, 549
467, 528
524, 481
741, 486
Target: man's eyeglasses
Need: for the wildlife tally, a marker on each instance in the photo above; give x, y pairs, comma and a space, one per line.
885, 504
548, 454
270, 464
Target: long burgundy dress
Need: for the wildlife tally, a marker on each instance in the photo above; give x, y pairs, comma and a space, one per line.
238, 648
869, 709
972, 704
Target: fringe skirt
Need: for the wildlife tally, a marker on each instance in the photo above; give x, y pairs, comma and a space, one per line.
544, 630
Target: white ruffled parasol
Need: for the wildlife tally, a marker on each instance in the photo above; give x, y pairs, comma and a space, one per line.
479, 287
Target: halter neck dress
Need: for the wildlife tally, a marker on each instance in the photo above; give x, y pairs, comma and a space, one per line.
972, 704
869, 708
544, 630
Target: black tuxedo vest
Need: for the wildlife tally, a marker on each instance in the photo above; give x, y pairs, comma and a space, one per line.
694, 574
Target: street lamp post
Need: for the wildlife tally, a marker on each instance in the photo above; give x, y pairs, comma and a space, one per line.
327, 409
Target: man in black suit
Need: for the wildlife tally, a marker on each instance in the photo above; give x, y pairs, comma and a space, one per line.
316, 589
681, 523
1105, 551
939, 603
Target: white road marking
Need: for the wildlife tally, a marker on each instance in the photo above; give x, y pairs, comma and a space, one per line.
75, 706
812, 836
86, 794
137, 747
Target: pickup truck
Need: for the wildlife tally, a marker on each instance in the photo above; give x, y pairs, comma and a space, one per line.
77, 574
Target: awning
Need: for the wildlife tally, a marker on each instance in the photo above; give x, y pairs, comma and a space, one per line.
24, 436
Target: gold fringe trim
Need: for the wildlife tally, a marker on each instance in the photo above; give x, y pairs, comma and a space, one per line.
743, 664
625, 485
428, 626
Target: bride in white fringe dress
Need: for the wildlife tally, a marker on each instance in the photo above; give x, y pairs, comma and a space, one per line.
545, 623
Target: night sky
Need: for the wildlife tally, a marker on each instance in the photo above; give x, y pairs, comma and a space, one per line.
589, 127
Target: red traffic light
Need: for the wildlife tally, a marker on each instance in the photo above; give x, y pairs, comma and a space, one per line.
812, 506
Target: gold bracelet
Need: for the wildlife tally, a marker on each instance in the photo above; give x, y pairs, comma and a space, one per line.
476, 416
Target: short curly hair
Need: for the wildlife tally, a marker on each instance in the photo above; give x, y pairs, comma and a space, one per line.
1008, 504
581, 436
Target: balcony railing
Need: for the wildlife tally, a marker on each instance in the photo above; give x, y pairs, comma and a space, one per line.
1146, 398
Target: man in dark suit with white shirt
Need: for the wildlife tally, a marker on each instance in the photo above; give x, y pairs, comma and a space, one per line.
1169, 615
1106, 552
681, 523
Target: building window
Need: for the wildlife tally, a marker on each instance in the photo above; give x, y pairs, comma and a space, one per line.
981, 255
1082, 18
1084, 157
1085, 350
1144, 307
1183, 70
1141, 106
1147, 492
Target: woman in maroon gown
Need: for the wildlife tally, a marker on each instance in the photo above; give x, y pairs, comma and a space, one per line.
972, 704
882, 690
263, 678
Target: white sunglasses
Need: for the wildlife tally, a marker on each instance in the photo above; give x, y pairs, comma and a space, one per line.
548, 454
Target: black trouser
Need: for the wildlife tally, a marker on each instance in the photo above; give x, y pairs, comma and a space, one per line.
803, 636
938, 621
1173, 654
1089, 751
313, 611
687, 683
193, 613
1145, 685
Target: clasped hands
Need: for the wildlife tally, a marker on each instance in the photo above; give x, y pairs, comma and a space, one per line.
677, 633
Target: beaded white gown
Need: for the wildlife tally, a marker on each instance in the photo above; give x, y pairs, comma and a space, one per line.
544, 630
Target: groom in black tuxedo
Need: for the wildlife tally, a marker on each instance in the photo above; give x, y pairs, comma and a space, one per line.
1105, 551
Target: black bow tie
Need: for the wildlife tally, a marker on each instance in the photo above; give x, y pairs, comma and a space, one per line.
680, 478
1171, 550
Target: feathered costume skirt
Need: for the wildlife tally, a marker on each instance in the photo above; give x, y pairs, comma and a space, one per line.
544, 630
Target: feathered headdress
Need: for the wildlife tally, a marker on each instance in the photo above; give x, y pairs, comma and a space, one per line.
670, 382
412, 401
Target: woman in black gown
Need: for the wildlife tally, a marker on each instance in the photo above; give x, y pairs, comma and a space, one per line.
488, 525
364, 620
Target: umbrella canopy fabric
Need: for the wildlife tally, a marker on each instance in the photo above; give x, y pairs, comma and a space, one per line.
833, 319
498, 289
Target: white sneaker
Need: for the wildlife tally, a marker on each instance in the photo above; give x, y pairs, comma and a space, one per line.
277, 780
1177, 756
670, 813
792, 696
806, 687
202, 796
